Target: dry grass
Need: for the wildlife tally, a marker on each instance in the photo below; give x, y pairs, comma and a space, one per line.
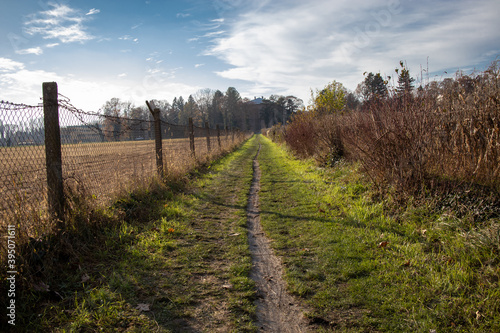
452, 138
442, 134
96, 172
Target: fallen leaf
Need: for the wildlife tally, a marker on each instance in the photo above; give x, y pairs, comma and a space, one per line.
478, 315
235, 234
321, 210
227, 286
143, 307
406, 264
382, 244
85, 278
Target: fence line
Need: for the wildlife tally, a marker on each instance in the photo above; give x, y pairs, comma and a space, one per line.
47, 148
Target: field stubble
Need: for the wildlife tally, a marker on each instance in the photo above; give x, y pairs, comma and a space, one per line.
93, 170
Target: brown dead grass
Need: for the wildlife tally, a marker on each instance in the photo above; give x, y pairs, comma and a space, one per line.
95, 171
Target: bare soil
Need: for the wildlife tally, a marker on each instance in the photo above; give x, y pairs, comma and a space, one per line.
277, 311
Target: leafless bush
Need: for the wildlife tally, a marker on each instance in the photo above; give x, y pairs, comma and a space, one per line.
316, 136
447, 133
416, 141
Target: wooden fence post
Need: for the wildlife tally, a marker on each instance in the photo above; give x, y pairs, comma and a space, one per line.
158, 139
218, 137
53, 159
208, 136
191, 137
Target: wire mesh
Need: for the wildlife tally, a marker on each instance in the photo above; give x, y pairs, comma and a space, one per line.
101, 153
22, 156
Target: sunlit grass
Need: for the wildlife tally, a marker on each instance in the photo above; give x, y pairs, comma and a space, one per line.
362, 266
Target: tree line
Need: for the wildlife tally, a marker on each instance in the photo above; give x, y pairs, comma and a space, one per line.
228, 110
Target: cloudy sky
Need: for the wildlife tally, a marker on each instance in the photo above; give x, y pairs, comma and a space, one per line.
145, 49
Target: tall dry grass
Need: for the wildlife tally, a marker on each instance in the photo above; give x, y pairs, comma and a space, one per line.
452, 136
440, 135
94, 176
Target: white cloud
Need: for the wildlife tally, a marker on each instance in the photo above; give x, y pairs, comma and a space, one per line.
21, 85
289, 49
61, 22
128, 37
33, 50
198, 65
52, 45
93, 11
182, 15
8, 65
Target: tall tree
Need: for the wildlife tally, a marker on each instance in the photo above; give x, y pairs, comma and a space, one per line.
164, 107
177, 108
405, 81
331, 99
216, 111
140, 125
374, 86
231, 107
190, 110
204, 99
351, 101
112, 121
293, 104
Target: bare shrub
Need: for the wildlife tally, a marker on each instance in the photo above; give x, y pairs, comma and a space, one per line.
416, 141
316, 136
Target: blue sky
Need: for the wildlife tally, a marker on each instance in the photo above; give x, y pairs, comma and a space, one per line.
152, 49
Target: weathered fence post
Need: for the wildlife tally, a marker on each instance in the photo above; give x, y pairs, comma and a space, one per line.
218, 137
53, 159
208, 137
191, 137
158, 139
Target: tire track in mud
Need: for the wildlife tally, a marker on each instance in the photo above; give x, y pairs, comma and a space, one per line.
277, 311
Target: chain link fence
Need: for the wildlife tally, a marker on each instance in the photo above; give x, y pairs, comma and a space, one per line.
22, 156
100, 154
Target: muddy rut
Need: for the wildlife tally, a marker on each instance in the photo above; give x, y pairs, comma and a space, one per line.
277, 311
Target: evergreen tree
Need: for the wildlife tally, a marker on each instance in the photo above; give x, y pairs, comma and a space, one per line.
374, 86
216, 110
405, 81
231, 107
190, 110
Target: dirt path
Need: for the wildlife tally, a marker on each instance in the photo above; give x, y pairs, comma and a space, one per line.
277, 311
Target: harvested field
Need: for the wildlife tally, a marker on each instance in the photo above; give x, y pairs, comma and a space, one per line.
98, 169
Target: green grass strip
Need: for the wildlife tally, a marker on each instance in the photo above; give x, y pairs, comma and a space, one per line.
178, 262
361, 271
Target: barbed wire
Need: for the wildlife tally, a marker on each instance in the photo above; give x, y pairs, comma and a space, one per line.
90, 151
